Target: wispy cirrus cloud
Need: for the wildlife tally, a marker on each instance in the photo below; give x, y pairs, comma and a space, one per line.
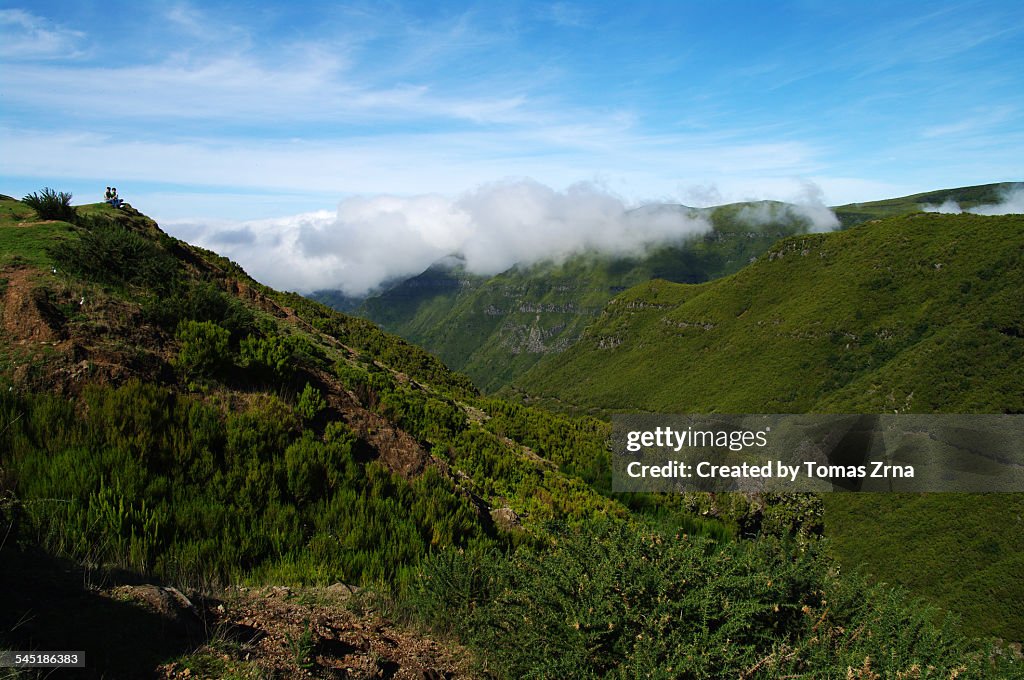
28, 36
417, 163
980, 121
307, 83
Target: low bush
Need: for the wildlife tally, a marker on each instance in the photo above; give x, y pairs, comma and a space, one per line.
52, 205
201, 301
170, 486
310, 403
611, 601
203, 350
109, 253
272, 354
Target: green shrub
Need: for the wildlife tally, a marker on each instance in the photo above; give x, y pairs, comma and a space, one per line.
611, 601
52, 205
162, 483
369, 385
201, 301
203, 348
109, 253
272, 354
311, 402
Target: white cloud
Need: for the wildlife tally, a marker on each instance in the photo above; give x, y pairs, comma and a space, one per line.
1012, 203
806, 205
947, 207
525, 222
26, 36
818, 218
370, 240
265, 248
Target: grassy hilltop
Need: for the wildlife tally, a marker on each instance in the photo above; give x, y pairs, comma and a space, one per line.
853, 214
170, 427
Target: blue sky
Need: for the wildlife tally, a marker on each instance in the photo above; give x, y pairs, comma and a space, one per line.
208, 113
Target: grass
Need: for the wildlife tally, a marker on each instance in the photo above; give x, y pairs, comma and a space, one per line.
216, 660
24, 239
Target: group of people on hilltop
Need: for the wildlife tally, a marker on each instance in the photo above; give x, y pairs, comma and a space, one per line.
111, 197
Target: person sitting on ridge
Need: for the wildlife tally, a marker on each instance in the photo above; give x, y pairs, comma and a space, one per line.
114, 200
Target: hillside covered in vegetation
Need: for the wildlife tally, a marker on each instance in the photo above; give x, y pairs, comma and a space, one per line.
915, 314
496, 328
170, 427
918, 314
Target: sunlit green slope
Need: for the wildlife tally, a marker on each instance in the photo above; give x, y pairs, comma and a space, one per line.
919, 313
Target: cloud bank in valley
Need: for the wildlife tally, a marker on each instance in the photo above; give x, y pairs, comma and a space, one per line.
372, 240
1011, 203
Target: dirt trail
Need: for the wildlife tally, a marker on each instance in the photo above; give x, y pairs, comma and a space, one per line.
27, 315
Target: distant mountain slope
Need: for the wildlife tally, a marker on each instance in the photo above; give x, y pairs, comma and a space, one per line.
852, 214
496, 328
919, 313
337, 300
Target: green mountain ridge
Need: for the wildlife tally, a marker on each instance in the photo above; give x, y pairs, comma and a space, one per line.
852, 214
496, 328
915, 314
